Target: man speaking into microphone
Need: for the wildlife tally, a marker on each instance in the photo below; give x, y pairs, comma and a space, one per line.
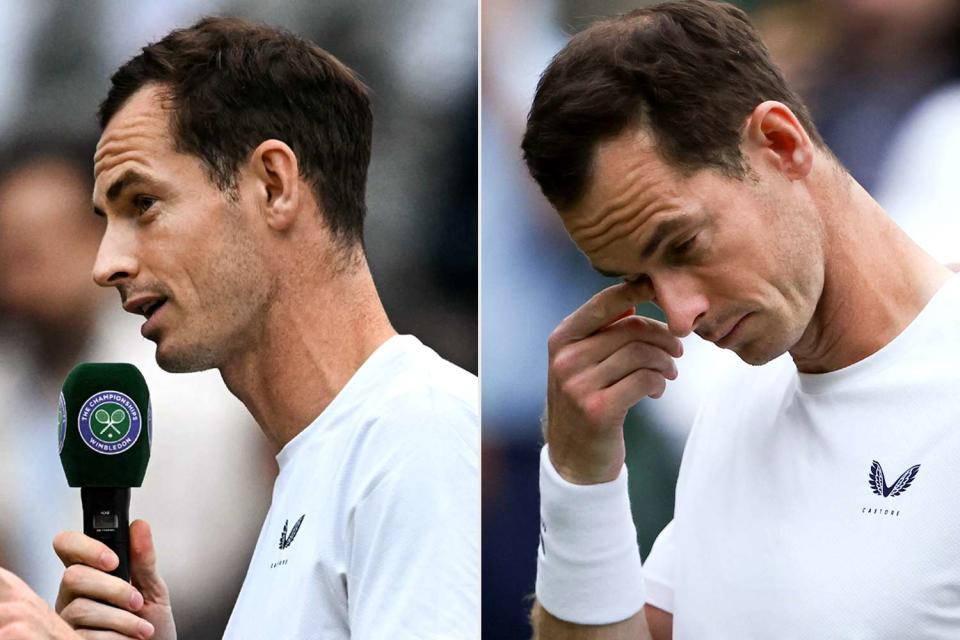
231, 171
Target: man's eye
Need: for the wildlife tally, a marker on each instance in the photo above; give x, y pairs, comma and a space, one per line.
143, 203
685, 246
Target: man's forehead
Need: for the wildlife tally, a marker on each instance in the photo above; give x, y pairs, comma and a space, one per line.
629, 183
139, 130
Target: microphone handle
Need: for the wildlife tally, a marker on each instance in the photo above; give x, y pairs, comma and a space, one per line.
106, 517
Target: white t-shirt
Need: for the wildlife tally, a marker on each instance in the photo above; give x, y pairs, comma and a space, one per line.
374, 528
784, 526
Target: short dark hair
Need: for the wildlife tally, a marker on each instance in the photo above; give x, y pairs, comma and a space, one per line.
689, 73
233, 84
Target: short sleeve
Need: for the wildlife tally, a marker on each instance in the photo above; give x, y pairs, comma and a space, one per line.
658, 570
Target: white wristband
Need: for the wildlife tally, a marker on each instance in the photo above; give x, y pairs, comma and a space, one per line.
588, 565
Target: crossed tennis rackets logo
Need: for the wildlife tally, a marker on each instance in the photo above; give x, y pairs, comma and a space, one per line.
110, 420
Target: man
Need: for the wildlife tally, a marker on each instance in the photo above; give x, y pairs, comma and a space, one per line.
810, 501
231, 172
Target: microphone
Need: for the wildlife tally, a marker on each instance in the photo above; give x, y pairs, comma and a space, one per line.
105, 434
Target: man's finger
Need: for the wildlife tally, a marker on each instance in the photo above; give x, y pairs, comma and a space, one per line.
25, 616
73, 547
636, 386
143, 563
13, 611
605, 342
11, 586
629, 358
81, 581
97, 634
602, 309
104, 619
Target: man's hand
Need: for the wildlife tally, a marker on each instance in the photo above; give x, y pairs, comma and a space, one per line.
603, 360
25, 616
99, 605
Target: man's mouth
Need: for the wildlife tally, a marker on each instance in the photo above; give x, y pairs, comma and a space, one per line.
717, 337
145, 305
726, 336
150, 308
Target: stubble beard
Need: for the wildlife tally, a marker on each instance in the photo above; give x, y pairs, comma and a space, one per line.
241, 291
784, 328
189, 359
800, 254
757, 353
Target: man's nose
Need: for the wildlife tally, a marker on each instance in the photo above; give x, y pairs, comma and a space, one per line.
682, 300
116, 258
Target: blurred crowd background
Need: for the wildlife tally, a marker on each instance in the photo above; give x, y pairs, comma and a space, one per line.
882, 78
208, 484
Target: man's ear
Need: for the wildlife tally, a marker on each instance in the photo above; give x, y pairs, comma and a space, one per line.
274, 165
774, 134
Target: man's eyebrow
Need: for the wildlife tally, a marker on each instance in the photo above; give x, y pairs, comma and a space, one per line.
128, 178
663, 230
608, 274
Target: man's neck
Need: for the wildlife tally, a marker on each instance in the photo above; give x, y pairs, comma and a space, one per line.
314, 339
876, 281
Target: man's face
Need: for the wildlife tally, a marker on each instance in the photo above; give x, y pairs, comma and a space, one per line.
739, 262
179, 251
